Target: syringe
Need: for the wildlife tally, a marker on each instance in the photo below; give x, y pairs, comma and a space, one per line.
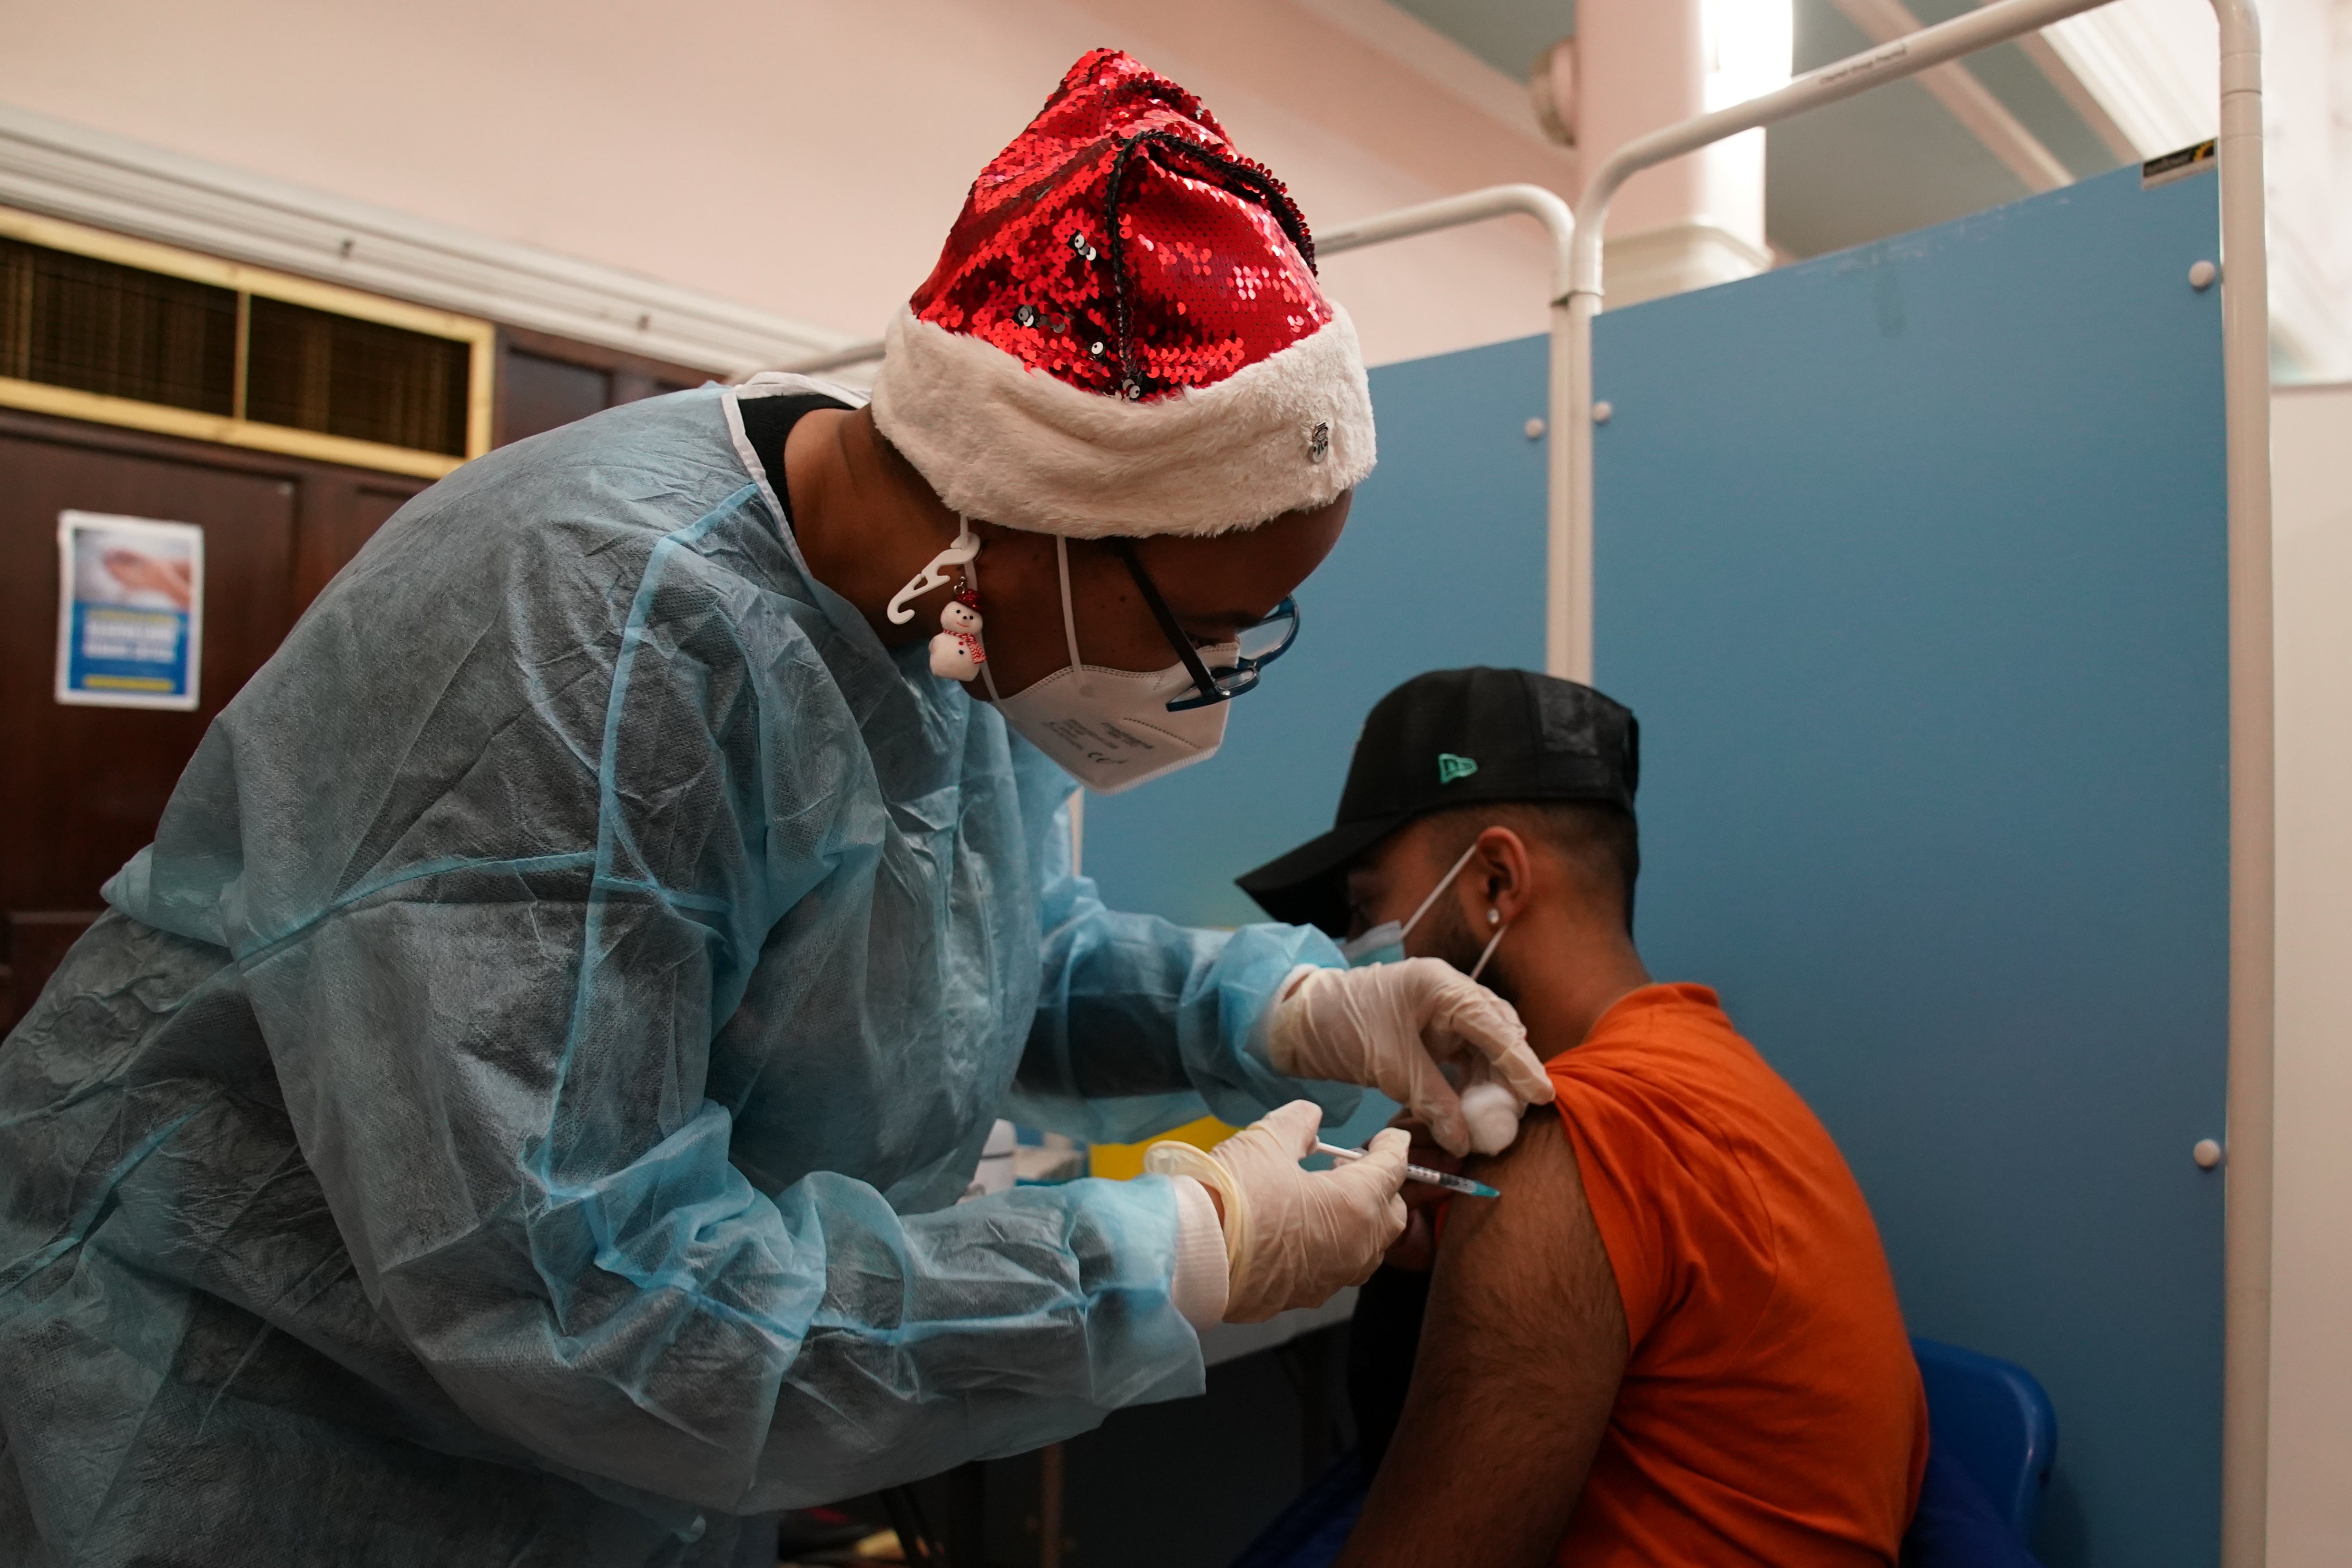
1420, 1173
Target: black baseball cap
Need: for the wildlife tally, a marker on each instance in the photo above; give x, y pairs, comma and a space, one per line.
1449, 738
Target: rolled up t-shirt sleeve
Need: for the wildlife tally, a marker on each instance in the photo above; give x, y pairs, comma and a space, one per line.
1629, 1175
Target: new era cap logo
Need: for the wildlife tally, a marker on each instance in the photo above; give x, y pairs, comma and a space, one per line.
1451, 767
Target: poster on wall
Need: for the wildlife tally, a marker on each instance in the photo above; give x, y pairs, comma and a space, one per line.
131, 611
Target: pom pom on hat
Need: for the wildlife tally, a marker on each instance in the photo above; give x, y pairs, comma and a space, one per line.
1124, 335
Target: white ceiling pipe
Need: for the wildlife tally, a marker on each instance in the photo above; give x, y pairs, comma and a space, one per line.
95, 177
835, 359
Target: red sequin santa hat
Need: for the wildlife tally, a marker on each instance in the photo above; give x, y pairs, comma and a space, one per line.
1124, 335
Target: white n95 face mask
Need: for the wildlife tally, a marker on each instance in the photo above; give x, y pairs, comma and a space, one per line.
1110, 729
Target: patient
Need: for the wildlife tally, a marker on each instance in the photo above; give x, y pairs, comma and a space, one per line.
1674, 1339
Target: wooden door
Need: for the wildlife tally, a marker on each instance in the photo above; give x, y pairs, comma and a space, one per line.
81, 788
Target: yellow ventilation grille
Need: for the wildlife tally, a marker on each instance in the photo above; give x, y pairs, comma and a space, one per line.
95, 326
71, 320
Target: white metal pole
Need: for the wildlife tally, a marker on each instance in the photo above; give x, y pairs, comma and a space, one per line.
1568, 555
1568, 563
1574, 443
2246, 401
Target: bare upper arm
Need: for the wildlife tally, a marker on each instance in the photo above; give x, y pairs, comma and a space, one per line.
1520, 1356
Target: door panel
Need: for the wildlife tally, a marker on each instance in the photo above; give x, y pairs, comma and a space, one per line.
546, 381
336, 518
540, 393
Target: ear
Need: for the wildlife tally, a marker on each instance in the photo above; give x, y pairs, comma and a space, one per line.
1499, 877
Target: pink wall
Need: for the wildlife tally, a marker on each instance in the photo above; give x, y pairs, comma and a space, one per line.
798, 156
2311, 1277
1644, 67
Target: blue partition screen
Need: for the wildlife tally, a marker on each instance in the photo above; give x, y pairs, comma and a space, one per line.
1911, 561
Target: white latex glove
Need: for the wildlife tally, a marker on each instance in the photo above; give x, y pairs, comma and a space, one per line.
1293, 1236
1390, 1026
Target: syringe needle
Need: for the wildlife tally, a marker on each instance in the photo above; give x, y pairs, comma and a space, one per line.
1420, 1173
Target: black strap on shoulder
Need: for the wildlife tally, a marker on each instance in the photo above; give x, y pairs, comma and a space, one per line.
768, 423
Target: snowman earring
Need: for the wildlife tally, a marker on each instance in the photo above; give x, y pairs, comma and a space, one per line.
956, 651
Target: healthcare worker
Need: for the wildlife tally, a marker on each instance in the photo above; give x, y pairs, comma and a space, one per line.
513, 1113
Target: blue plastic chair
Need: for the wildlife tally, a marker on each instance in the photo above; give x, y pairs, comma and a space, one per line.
1994, 1418
1991, 1434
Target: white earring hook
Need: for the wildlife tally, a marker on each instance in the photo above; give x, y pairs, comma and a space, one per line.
966, 546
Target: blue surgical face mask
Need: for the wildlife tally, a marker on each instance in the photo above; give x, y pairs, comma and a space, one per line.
1384, 943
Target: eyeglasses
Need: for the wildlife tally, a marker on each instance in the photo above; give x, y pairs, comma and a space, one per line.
1259, 645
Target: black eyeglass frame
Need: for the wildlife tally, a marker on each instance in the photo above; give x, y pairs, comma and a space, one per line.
1212, 686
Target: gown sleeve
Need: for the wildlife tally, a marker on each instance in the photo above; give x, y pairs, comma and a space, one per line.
487, 945
1143, 1024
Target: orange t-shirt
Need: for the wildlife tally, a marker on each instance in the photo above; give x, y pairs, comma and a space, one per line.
1771, 1411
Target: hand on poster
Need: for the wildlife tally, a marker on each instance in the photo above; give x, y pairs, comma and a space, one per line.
141, 572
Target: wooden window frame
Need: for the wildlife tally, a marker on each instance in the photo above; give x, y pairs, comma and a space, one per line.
480, 337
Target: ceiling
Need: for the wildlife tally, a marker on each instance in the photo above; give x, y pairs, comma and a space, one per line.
1891, 159
1507, 33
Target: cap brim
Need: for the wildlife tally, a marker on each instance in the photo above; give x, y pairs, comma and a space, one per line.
1308, 887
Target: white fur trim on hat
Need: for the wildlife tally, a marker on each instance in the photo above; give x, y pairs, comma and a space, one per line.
1018, 447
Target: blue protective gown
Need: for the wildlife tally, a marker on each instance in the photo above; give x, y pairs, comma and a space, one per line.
512, 1111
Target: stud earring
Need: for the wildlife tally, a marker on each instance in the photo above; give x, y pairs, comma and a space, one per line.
1494, 916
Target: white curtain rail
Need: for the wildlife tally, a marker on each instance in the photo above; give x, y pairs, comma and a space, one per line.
1472, 206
